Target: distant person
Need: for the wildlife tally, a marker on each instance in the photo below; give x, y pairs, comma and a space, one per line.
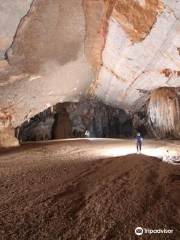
139, 140
87, 133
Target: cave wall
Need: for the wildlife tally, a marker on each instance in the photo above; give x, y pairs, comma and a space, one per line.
71, 120
99, 119
38, 128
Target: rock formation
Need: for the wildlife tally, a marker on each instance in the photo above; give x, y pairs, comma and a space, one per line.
56, 51
62, 127
164, 113
7, 134
37, 128
69, 120
11, 14
99, 119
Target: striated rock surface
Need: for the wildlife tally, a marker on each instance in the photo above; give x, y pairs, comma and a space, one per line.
37, 128
119, 51
164, 113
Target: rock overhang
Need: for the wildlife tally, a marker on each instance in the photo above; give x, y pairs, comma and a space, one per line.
124, 50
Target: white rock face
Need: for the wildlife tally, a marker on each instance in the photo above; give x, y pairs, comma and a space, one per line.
11, 13
128, 67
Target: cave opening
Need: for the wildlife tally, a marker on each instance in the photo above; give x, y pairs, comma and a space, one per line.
75, 119
90, 117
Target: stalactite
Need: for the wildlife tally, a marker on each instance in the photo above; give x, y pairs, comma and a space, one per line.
164, 113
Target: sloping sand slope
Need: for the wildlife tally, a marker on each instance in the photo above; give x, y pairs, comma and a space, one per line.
60, 192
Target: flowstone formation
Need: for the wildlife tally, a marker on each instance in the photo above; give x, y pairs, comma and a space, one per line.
58, 51
164, 113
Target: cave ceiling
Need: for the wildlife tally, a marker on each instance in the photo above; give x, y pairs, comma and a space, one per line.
56, 51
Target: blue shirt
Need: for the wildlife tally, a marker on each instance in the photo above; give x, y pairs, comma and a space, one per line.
139, 139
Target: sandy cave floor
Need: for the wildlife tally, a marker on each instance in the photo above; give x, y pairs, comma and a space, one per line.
85, 190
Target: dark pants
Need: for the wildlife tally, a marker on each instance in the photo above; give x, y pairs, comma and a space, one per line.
139, 145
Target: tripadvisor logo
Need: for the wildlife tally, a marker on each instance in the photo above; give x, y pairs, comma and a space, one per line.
140, 231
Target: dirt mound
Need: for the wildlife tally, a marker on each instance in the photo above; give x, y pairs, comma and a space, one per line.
88, 199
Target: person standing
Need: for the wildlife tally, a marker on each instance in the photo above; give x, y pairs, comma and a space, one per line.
87, 133
139, 140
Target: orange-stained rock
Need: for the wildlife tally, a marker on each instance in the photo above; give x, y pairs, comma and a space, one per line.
7, 134
97, 15
136, 18
7, 138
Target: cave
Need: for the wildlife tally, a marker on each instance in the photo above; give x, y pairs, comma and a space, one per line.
89, 119
72, 120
